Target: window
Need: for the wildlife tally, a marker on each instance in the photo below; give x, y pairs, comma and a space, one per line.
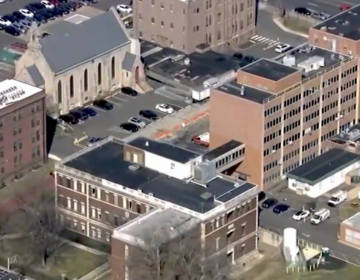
83, 228
152, 20
126, 252
243, 229
93, 213
99, 234
116, 220
217, 243
75, 206
107, 197
83, 208
15, 146
85, 80
71, 87
113, 68
107, 217
107, 237
38, 135
59, 92
138, 208
99, 214
15, 161
68, 205
171, 25
99, 74
162, 23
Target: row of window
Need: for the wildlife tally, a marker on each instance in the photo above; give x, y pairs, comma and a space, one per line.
348, 97
308, 158
85, 80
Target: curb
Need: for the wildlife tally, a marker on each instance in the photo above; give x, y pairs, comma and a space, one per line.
284, 28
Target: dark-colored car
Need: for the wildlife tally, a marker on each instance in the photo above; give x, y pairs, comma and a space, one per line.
103, 104
69, 119
1, 27
148, 114
129, 91
55, 2
57, 12
75, 5
46, 14
90, 112
19, 15
68, 6
79, 115
268, 203
64, 9
12, 30
249, 59
281, 208
238, 55
130, 127
10, 17
303, 11
40, 18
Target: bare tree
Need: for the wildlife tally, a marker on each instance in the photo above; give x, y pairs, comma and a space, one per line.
180, 259
43, 229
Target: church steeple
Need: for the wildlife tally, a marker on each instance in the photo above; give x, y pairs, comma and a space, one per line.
35, 35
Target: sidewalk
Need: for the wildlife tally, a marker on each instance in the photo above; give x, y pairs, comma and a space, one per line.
278, 22
97, 272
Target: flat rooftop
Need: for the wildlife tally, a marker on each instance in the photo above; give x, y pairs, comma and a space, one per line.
351, 135
269, 69
323, 166
115, 169
345, 24
163, 149
172, 65
12, 91
164, 224
306, 52
248, 93
353, 221
221, 150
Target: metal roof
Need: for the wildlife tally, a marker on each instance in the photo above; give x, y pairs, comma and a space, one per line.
129, 61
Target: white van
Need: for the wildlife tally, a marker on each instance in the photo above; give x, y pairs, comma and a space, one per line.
337, 198
320, 216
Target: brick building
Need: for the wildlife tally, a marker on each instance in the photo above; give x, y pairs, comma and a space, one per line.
145, 179
186, 25
22, 129
295, 103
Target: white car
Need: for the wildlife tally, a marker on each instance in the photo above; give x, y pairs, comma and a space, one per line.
5, 22
137, 122
26, 13
124, 9
301, 215
282, 48
47, 4
165, 108
2, 1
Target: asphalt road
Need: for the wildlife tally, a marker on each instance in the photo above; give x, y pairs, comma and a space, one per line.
107, 123
324, 235
331, 7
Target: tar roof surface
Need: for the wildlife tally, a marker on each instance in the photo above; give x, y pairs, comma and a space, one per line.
185, 194
345, 24
269, 69
250, 93
353, 221
203, 66
221, 150
73, 44
323, 166
307, 51
163, 149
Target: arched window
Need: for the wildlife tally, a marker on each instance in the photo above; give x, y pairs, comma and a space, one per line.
71, 86
85, 80
113, 68
59, 92
99, 74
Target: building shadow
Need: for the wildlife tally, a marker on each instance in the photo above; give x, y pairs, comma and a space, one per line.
50, 132
256, 11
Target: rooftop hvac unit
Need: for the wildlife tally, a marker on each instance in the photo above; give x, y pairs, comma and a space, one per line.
205, 172
313, 63
134, 167
354, 134
289, 60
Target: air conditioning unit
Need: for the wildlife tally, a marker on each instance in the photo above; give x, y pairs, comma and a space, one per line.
273, 151
341, 116
290, 143
280, 162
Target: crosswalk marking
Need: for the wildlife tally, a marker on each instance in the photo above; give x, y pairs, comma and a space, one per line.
262, 39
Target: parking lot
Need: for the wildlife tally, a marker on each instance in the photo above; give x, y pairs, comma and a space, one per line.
107, 123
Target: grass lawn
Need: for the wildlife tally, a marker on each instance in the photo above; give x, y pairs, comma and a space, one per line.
297, 25
70, 260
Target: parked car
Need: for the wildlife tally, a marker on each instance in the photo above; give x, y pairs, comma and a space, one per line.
69, 119
249, 59
137, 121
55, 2
319, 15
148, 114
345, 7
268, 203
103, 104
165, 108
1, 27
79, 115
301, 215
18, 25
18, 15
26, 13
238, 55
12, 30
47, 4
90, 112
281, 208
40, 18
27, 22
282, 48
93, 141
57, 12
5, 22
65, 9
46, 14
124, 9
10, 17
302, 11
129, 91
130, 127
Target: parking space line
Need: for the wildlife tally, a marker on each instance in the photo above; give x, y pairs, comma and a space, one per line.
118, 98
